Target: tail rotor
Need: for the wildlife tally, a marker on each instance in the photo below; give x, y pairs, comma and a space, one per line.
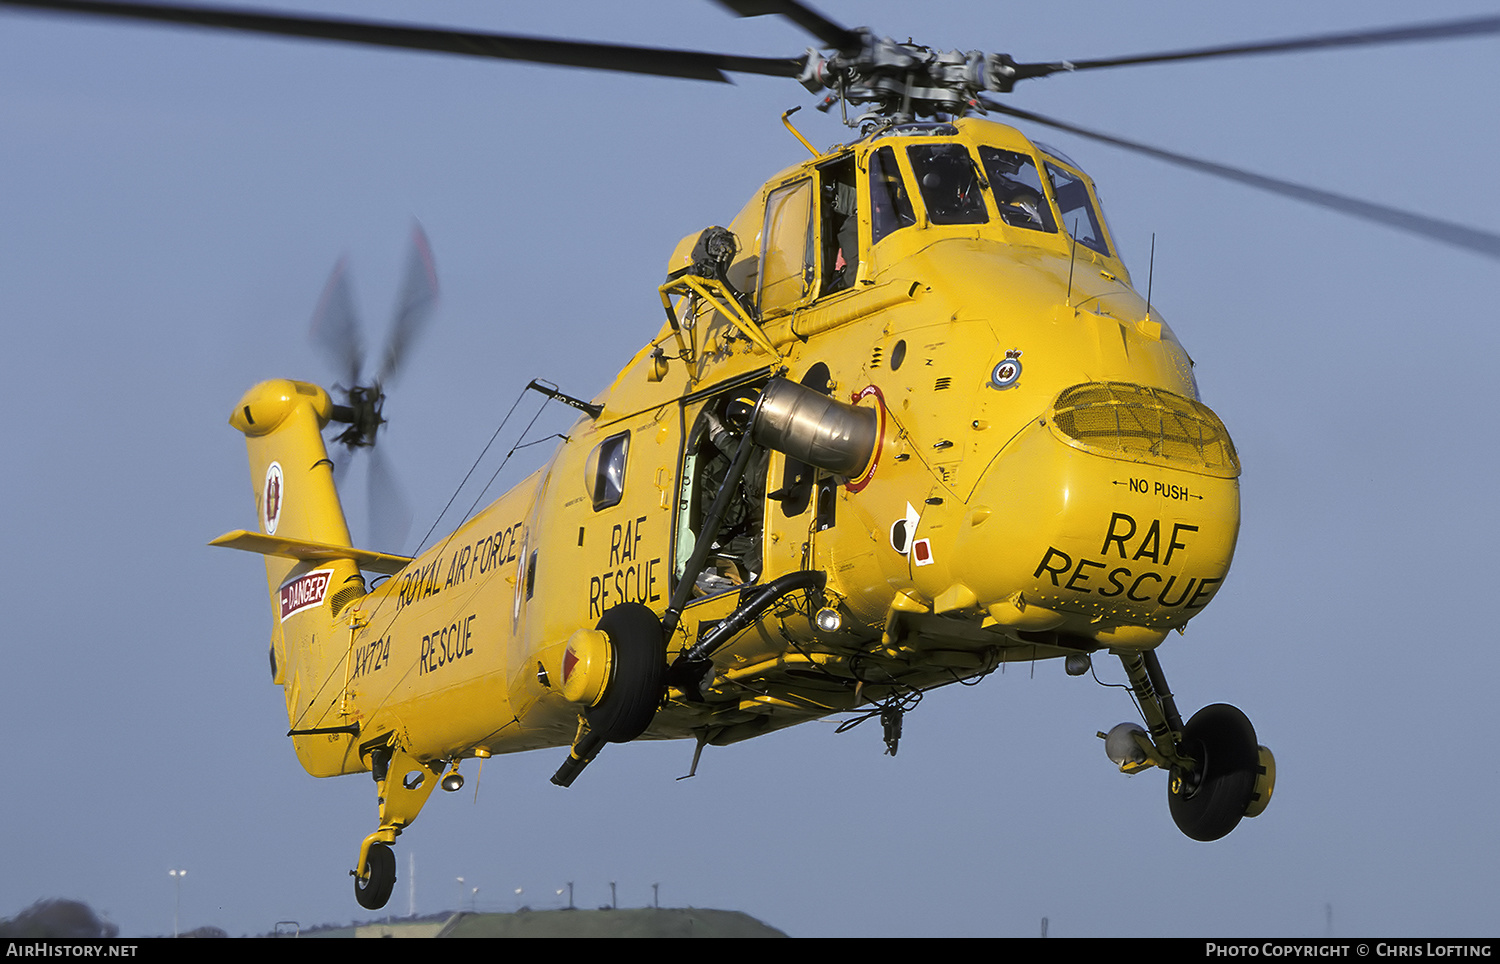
359, 404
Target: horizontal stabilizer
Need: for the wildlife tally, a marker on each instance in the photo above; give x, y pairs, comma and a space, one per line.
306, 551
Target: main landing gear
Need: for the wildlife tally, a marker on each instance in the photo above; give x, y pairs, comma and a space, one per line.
637, 664
1219, 774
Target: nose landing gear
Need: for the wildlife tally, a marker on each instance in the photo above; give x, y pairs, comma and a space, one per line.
1208, 800
1219, 774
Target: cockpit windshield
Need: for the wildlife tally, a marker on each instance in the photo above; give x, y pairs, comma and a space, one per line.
1035, 192
949, 183
1018, 189
1080, 218
890, 207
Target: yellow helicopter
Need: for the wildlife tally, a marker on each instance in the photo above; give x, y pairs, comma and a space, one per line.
906, 418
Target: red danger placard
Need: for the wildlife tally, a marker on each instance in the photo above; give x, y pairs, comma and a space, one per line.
304, 592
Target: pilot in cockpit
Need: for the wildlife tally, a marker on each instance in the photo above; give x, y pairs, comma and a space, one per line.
949, 183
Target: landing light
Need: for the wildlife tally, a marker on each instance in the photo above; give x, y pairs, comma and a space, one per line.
1122, 747
828, 619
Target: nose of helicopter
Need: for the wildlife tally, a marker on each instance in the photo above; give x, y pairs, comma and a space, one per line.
1111, 519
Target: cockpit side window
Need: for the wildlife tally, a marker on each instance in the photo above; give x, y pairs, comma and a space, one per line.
1080, 218
1018, 189
890, 205
840, 222
949, 183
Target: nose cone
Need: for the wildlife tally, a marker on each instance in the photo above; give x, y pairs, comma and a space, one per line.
1112, 517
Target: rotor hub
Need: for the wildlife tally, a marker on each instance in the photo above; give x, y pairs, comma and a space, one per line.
362, 414
906, 81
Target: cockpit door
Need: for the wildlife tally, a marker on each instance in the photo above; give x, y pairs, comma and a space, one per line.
787, 248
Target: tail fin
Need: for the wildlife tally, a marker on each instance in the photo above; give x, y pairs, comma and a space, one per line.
283, 423
311, 572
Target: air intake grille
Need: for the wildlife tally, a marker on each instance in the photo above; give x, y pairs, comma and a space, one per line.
344, 597
1149, 425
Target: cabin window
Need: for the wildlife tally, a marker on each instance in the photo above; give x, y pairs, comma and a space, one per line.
890, 205
607, 471
1018, 189
1080, 217
949, 183
786, 254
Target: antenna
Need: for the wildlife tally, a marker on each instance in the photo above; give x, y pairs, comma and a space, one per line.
1150, 273
1072, 257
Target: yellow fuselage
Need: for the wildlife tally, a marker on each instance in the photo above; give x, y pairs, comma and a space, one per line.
1044, 481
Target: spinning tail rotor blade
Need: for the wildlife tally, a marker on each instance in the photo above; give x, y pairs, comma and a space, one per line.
419, 294
1470, 239
336, 329
390, 512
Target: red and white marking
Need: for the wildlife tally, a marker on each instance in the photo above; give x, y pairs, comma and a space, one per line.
272, 495
304, 592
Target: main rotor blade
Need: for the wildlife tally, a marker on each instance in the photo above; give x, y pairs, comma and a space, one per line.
335, 327
656, 61
1446, 30
832, 35
419, 294
1461, 236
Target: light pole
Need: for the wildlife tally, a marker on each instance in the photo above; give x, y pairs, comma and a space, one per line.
177, 876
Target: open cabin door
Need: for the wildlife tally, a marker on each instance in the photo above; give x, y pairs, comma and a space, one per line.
718, 422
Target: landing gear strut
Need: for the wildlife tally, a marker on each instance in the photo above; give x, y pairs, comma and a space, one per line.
1219, 773
402, 785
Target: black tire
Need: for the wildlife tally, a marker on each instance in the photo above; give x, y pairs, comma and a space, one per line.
375, 890
637, 677
1209, 803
